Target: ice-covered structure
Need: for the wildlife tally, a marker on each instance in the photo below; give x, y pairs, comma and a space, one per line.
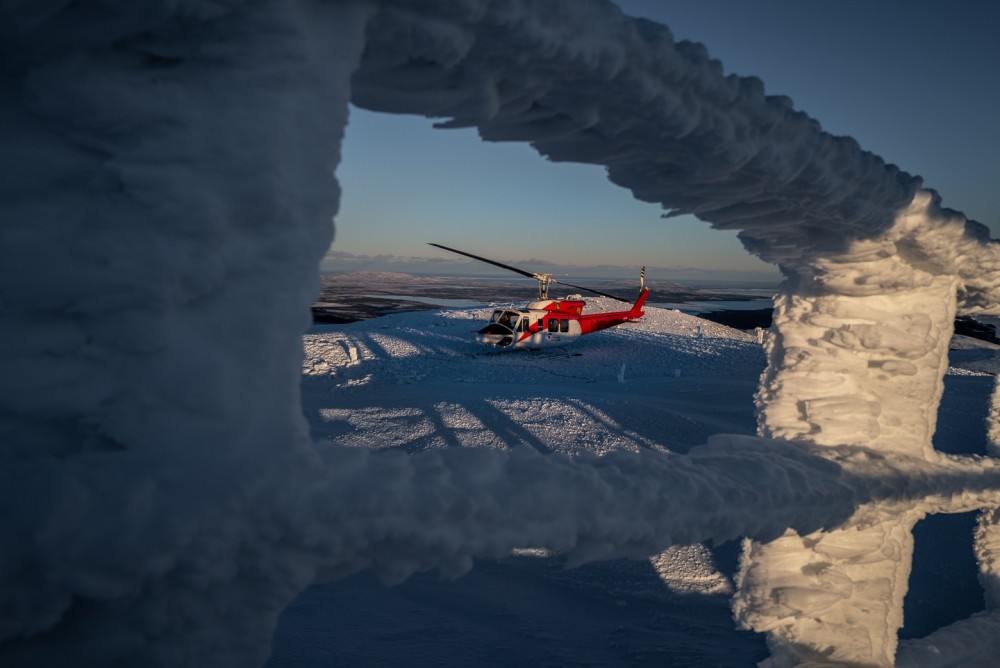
167, 169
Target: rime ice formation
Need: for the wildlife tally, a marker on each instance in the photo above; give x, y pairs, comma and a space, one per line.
857, 356
987, 538
384, 512
588, 84
875, 268
167, 171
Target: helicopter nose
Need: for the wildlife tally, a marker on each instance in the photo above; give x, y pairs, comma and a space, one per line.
496, 340
495, 334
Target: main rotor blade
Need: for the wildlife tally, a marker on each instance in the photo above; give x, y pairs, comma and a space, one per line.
527, 273
487, 260
596, 292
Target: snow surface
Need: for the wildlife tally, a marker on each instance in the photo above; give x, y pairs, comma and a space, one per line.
433, 348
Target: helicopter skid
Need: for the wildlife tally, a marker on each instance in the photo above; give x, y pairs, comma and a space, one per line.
534, 341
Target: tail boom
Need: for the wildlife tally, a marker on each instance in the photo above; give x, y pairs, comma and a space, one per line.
594, 322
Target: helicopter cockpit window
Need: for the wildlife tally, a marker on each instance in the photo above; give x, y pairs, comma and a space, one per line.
564, 325
506, 318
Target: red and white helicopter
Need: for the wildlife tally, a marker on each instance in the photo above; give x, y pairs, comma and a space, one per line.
550, 322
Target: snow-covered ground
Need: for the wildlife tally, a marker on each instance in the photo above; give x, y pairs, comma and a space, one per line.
418, 381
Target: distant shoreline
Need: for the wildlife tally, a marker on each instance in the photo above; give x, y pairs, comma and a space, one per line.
376, 307
349, 297
740, 319
694, 283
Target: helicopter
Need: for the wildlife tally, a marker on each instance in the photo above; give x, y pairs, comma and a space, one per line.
550, 322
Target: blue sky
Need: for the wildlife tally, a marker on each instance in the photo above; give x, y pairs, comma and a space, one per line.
914, 82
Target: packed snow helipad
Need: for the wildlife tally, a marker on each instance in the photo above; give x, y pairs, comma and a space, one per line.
420, 380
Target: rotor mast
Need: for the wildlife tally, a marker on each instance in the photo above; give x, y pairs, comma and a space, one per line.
544, 280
